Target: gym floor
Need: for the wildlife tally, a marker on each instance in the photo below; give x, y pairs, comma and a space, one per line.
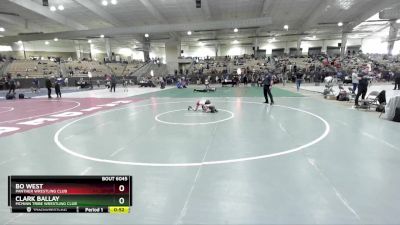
305, 160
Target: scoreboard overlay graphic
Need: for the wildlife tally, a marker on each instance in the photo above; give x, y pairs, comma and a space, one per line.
70, 194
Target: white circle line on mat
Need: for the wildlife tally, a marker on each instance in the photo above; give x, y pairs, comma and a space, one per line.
9, 109
31, 117
205, 163
157, 118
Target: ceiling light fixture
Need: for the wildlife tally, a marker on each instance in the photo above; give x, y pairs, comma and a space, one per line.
114, 2
104, 2
46, 42
235, 30
146, 35
314, 37
89, 41
189, 33
55, 39
2, 29
398, 21
340, 24
235, 42
19, 42
286, 27
61, 7
53, 8
102, 36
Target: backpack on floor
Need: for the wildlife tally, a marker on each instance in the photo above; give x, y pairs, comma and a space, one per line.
10, 96
21, 96
342, 97
396, 117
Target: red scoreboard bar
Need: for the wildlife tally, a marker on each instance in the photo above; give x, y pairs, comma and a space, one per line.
70, 194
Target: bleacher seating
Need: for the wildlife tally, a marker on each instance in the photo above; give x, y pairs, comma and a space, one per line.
80, 68
36, 68
32, 68
208, 67
132, 67
117, 68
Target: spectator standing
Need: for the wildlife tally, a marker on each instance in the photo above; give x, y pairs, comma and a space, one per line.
207, 84
354, 80
284, 77
11, 83
267, 88
35, 85
362, 87
48, 86
397, 79
299, 79
57, 87
113, 83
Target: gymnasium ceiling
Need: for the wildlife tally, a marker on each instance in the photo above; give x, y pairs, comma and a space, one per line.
128, 20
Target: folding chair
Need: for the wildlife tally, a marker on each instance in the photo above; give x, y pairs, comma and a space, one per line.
370, 100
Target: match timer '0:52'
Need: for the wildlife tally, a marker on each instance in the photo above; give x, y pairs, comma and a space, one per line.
118, 210
70, 194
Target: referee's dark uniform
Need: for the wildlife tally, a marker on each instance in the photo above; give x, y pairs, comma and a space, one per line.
267, 88
362, 87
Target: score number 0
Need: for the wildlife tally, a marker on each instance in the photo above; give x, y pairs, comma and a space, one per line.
121, 200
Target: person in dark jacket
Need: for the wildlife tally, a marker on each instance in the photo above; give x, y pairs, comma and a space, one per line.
267, 83
362, 87
397, 80
113, 83
48, 86
12, 85
57, 88
299, 79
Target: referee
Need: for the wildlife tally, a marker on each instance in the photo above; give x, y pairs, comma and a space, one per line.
267, 83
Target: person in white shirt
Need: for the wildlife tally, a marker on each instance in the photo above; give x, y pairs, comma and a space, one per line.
354, 80
207, 83
66, 81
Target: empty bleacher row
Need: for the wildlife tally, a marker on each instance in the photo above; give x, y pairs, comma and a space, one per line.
32, 68
82, 68
116, 68
132, 67
43, 68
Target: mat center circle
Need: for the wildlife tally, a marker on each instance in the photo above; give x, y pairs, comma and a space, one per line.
256, 156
